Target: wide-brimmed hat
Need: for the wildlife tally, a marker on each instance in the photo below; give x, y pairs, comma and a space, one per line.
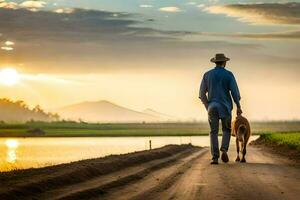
219, 57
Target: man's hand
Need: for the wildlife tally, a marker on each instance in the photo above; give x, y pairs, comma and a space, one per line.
239, 111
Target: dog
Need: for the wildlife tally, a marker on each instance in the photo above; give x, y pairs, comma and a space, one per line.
241, 130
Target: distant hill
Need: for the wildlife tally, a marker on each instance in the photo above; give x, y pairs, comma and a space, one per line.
158, 115
105, 111
18, 111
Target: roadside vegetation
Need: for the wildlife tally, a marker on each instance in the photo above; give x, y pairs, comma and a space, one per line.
290, 140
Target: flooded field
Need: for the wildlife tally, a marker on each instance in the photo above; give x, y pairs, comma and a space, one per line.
21, 153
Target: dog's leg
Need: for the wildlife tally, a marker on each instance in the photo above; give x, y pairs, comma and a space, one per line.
244, 151
237, 150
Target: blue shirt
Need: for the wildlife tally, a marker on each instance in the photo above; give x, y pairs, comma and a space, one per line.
219, 84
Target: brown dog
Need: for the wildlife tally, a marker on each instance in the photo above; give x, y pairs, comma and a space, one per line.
241, 130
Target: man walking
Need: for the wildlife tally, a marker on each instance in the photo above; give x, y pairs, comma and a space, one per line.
217, 87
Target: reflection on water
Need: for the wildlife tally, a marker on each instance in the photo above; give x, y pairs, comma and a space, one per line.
11, 156
12, 143
12, 146
21, 153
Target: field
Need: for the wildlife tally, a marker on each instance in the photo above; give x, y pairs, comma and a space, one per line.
76, 129
290, 140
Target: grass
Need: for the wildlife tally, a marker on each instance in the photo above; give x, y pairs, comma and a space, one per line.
73, 129
82, 129
102, 133
291, 140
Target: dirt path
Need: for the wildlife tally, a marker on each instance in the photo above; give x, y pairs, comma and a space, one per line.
184, 174
265, 176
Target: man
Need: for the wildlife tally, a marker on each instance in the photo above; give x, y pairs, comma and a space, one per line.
219, 84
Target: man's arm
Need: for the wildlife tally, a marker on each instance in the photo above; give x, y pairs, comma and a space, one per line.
235, 93
203, 91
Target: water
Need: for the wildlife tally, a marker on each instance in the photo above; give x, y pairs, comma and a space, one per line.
22, 153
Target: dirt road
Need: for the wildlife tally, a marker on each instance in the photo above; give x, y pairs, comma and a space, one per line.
265, 176
184, 174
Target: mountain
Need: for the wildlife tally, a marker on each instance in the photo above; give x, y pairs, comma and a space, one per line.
104, 111
158, 115
18, 111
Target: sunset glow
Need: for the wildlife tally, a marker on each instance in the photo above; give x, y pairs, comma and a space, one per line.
150, 54
98, 96
9, 76
11, 143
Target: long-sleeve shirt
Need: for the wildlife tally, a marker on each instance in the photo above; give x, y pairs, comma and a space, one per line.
217, 87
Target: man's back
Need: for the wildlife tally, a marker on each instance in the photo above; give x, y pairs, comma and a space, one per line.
219, 83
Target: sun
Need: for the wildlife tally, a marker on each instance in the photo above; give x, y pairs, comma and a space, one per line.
9, 76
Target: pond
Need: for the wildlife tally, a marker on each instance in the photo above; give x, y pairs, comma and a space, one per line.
22, 153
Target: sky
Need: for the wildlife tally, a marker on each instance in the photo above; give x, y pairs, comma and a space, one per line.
152, 53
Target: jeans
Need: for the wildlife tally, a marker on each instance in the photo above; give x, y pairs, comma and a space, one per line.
213, 118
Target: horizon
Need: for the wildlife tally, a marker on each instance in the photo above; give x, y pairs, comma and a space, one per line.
59, 114
144, 54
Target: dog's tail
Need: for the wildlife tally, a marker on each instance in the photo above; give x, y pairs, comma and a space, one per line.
241, 132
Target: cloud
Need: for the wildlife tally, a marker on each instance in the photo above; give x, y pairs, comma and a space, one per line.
9, 43
274, 35
93, 40
78, 25
6, 48
171, 9
191, 3
64, 10
201, 6
262, 13
33, 4
30, 5
8, 5
146, 6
